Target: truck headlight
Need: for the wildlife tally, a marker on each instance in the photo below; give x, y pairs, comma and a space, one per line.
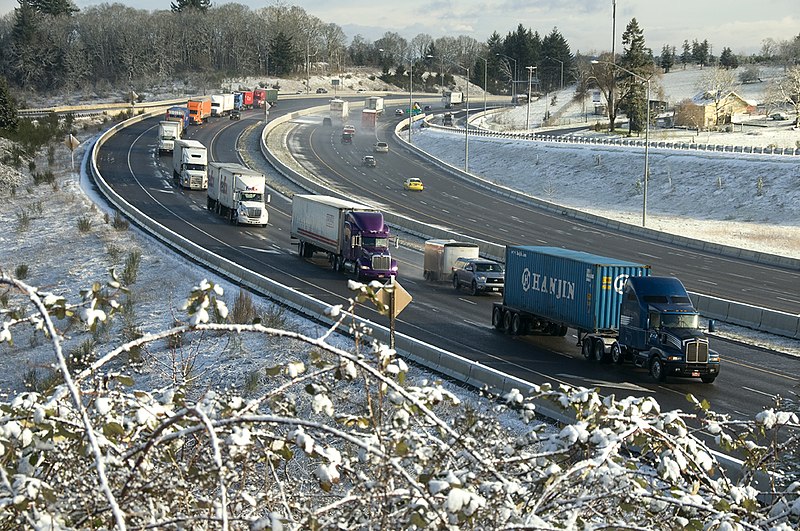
394, 268
674, 358
364, 267
481, 278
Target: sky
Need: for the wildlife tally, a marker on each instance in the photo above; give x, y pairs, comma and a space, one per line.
586, 24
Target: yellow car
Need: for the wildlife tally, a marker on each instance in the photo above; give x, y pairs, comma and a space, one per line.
413, 184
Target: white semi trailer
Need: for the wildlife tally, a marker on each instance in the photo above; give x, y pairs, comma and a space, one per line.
190, 164
237, 193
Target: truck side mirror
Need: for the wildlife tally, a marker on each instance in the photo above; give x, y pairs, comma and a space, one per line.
236, 196
712, 326
269, 198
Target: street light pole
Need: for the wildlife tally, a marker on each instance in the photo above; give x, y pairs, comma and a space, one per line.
485, 83
562, 70
646, 133
466, 129
528, 116
410, 95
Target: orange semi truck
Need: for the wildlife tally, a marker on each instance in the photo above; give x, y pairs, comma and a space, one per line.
199, 110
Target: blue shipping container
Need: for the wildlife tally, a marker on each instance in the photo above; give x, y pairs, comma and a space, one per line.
573, 288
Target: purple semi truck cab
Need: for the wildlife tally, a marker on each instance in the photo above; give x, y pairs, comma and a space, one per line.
368, 245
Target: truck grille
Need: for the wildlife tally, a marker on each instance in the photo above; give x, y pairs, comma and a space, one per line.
253, 212
697, 352
382, 262
491, 280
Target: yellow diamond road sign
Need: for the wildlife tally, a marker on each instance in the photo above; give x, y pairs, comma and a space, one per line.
401, 299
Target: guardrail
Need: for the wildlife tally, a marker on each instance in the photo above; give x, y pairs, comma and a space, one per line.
624, 142
99, 108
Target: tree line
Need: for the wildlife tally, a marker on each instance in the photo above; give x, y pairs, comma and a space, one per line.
51, 46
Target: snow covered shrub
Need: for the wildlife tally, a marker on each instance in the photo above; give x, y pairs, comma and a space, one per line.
336, 438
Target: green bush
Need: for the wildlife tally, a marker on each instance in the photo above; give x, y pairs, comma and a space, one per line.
120, 223
244, 310
21, 271
23, 221
131, 268
84, 224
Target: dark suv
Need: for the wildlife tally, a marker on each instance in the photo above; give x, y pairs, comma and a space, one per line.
479, 275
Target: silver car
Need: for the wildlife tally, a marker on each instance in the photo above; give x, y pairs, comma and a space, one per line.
479, 275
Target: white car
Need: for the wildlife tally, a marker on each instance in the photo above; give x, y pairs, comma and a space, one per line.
381, 147
398, 112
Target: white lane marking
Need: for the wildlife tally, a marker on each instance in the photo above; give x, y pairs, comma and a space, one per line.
771, 395
603, 383
706, 282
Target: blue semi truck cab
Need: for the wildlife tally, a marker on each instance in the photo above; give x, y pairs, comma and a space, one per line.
619, 311
659, 329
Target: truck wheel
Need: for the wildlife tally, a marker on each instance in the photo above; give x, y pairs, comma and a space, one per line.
586, 348
617, 356
657, 370
473, 288
507, 322
497, 318
599, 350
455, 282
708, 379
516, 325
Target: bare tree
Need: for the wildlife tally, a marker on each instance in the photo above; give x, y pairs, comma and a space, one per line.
786, 91
420, 44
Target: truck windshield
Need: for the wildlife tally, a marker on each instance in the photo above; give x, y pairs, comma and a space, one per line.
197, 167
371, 241
671, 320
252, 196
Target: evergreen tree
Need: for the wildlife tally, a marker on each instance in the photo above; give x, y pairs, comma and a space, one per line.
555, 52
727, 59
281, 50
184, 5
8, 108
23, 56
667, 58
637, 59
52, 7
686, 56
700, 52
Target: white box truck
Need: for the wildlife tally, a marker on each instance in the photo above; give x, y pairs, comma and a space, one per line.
189, 164
340, 110
237, 193
168, 133
441, 255
374, 103
450, 98
221, 104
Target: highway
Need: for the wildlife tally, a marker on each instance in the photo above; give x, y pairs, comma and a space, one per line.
451, 320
